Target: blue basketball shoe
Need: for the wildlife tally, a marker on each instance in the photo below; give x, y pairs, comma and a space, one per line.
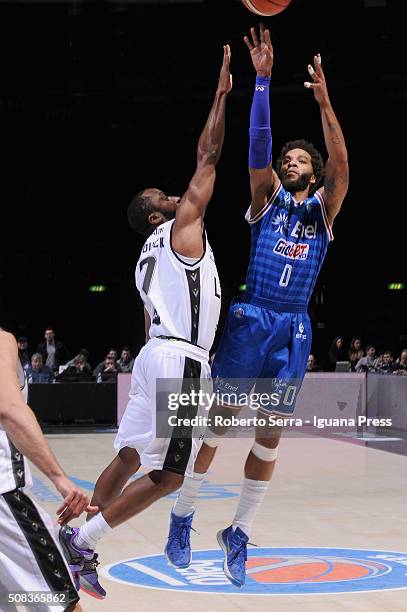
234, 546
178, 548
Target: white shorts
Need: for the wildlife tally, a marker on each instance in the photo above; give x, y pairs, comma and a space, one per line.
177, 362
30, 557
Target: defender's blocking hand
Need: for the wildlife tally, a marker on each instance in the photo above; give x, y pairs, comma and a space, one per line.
225, 78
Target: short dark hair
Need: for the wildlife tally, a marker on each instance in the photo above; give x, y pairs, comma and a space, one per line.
317, 162
138, 212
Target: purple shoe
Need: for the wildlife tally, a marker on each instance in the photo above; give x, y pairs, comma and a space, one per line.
75, 556
88, 578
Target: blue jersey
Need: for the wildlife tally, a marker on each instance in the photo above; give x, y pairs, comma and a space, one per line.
289, 243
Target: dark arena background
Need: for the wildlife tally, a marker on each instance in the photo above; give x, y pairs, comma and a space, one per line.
101, 99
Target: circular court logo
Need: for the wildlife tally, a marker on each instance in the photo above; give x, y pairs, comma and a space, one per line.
271, 571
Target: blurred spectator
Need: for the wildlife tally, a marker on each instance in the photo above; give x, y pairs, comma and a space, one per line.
385, 363
355, 352
369, 362
106, 371
337, 352
23, 352
83, 353
312, 365
401, 344
126, 360
54, 353
111, 353
37, 372
78, 371
401, 363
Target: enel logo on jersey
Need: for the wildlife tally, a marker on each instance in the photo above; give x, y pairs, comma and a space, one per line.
291, 250
305, 231
271, 571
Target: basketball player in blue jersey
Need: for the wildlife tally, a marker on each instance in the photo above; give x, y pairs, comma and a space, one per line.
268, 331
178, 282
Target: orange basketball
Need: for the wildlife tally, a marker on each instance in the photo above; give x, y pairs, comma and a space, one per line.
266, 8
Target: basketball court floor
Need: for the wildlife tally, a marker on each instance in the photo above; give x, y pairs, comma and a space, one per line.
331, 536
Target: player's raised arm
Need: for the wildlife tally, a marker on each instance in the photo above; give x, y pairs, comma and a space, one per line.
263, 179
336, 179
187, 233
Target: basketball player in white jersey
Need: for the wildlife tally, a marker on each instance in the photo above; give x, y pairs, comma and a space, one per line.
30, 556
177, 279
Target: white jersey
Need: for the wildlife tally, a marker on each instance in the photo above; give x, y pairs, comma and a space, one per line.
14, 470
183, 300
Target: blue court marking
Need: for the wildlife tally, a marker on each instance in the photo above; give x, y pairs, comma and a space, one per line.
271, 571
84, 484
43, 492
208, 490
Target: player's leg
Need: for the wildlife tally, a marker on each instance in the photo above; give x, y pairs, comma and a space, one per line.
166, 458
286, 362
231, 365
80, 544
30, 557
184, 504
260, 462
178, 549
112, 480
288, 366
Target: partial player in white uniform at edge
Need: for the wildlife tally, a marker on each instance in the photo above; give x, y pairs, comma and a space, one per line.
177, 279
30, 556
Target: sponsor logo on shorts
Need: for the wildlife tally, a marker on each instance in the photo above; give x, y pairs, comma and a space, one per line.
271, 571
300, 335
291, 250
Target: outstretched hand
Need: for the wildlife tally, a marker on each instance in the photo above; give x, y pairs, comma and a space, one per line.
261, 51
75, 501
225, 78
319, 84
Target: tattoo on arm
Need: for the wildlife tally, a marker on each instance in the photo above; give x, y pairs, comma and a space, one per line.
332, 182
330, 185
335, 136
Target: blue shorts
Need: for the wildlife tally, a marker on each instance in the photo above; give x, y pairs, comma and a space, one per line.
262, 347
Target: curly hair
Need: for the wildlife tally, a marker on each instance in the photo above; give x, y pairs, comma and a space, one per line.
316, 158
138, 212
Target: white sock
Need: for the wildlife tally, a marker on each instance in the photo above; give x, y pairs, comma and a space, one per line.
187, 495
91, 532
251, 498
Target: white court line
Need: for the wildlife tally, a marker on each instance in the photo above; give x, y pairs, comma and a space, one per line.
155, 574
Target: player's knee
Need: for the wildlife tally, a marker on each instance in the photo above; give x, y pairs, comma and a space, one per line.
168, 482
263, 453
128, 460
